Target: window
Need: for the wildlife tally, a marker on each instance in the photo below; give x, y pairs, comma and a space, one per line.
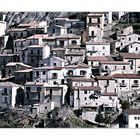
28, 89
103, 53
135, 118
31, 51
106, 67
103, 48
21, 44
121, 32
85, 98
85, 92
61, 42
98, 20
115, 67
98, 26
5, 100
74, 42
37, 73
38, 88
45, 107
82, 72
54, 64
89, 20
30, 42
107, 82
54, 75
129, 38
138, 118
81, 84
121, 43
21, 34
91, 54
137, 126
71, 58
44, 72
92, 33
136, 48
110, 98
70, 72
15, 44
38, 51
123, 67
138, 38
91, 63
131, 46
53, 31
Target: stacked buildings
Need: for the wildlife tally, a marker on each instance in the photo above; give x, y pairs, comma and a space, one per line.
70, 62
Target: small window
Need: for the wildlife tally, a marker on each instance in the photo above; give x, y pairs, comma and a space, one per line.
37, 73
74, 42
89, 20
92, 33
98, 20
38, 88
106, 67
103, 48
54, 64
38, 51
136, 48
110, 98
137, 126
121, 43
53, 31
81, 84
122, 38
44, 72
138, 38
85, 92
85, 98
31, 51
123, 67
21, 34
129, 38
45, 107
115, 67
121, 32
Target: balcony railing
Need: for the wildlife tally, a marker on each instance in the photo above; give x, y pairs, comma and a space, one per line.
135, 85
123, 85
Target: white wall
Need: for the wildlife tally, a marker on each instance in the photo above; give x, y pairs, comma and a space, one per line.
132, 122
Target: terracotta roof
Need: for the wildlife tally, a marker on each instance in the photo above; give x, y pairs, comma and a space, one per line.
132, 111
97, 43
48, 68
97, 58
130, 55
74, 54
80, 65
104, 78
20, 40
37, 36
70, 36
34, 83
24, 71
109, 94
81, 79
58, 49
126, 76
87, 88
17, 29
115, 62
8, 84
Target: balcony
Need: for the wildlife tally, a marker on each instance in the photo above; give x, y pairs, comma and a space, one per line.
104, 70
135, 85
123, 85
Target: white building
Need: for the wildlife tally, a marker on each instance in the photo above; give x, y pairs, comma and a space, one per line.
95, 19
106, 83
55, 93
106, 67
53, 61
86, 96
79, 70
132, 118
97, 49
133, 59
50, 74
127, 85
34, 92
31, 55
8, 92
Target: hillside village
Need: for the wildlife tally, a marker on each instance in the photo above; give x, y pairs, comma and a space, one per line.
88, 67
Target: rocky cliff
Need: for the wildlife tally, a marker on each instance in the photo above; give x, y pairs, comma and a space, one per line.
14, 18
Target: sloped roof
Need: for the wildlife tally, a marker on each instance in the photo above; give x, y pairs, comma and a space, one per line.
8, 84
